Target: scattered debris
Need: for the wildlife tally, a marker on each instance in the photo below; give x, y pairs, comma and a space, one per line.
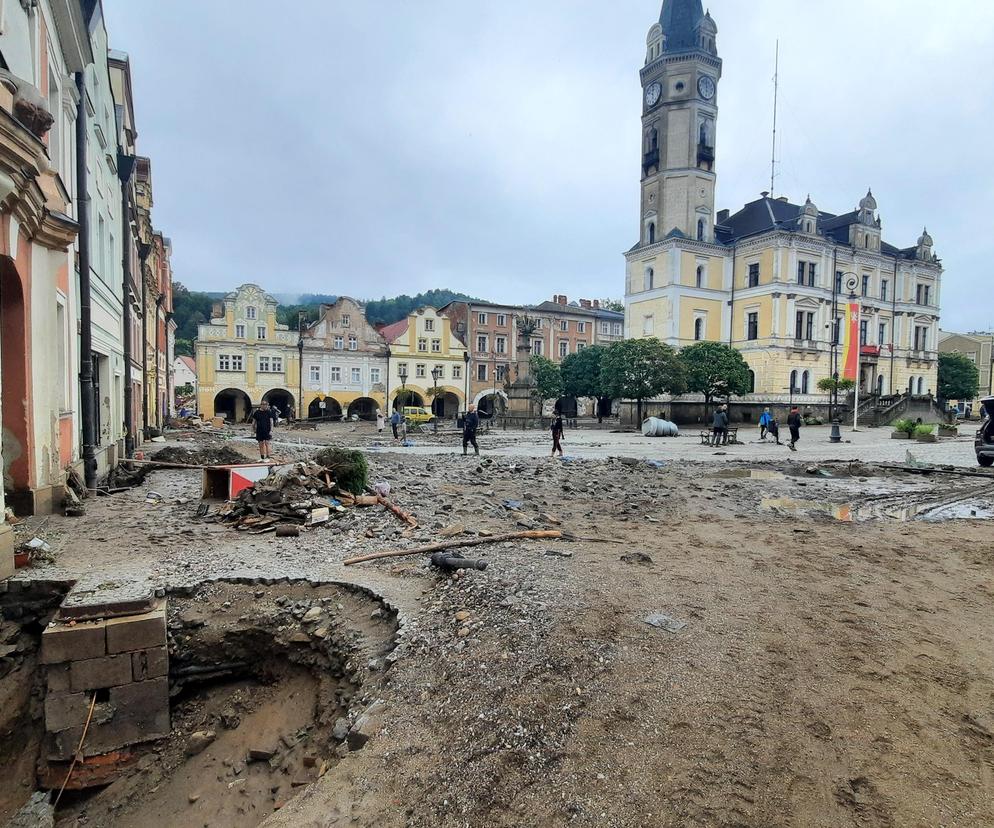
532, 534
665, 622
637, 558
347, 466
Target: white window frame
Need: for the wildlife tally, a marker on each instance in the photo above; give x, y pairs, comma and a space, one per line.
456, 372
581, 327
564, 325
420, 370
224, 362
237, 362
501, 320
481, 372
315, 373
481, 318
262, 363
563, 348
356, 376
422, 345
353, 343
336, 374
482, 343
374, 376
339, 343
250, 312
500, 344
239, 332
436, 346
277, 364
260, 332
429, 324
346, 320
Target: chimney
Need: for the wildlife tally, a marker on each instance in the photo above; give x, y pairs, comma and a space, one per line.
764, 194
597, 304
722, 216
585, 303
562, 299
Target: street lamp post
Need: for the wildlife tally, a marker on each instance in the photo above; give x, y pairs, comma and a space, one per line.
465, 359
300, 363
434, 395
402, 373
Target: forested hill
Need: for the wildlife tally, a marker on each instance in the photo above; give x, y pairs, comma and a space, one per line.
192, 308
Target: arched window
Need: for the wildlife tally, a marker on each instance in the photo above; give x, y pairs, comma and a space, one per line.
805, 379
653, 139
921, 386
703, 134
700, 229
649, 278
698, 329
793, 380
752, 381
652, 232
700, 275
911, 385
880, 385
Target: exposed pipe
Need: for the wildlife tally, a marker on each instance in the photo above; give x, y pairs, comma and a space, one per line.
86, 406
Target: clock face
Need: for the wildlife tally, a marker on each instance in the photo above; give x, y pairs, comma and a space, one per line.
705, 85
652, 94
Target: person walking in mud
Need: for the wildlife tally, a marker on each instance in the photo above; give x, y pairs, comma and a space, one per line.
471, 422
264, 417
794, 424
719, 426
773, 428
557, 435
764, 424
394, 423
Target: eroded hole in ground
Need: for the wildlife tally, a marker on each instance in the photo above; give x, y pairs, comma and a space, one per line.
268, 685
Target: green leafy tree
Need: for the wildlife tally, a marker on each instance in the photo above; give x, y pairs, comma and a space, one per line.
830, 384
715, 370
958, 377
183, 347
548, 378
639, 369
582, 375
613, 305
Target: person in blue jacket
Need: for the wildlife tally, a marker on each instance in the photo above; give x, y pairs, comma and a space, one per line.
764, 423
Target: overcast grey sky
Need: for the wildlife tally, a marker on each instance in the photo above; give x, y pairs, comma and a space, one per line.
376, 148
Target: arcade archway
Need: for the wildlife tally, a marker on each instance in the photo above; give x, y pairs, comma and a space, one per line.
281, 399
364, 408
232, 404
331, 409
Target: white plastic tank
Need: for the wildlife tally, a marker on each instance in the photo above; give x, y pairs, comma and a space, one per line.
655, 427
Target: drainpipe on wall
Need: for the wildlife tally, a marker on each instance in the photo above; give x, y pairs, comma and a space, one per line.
160, 300
87, 401
731, 304
143, 251
125, 167
893, 326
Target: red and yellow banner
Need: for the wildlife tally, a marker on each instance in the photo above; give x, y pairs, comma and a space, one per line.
850, 351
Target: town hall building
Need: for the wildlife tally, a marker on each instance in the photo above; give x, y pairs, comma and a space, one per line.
770, 278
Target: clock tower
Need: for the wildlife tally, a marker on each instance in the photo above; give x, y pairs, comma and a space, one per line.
679, 112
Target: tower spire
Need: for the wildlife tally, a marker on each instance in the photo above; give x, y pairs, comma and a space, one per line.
679, 20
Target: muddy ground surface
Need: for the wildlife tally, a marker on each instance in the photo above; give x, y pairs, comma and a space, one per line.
825, 658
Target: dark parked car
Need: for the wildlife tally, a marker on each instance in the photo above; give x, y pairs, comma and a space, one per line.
985, 434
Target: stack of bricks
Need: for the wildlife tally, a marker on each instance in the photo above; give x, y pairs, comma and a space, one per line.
122, 661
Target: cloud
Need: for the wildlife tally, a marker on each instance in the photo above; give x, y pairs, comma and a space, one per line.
380, 148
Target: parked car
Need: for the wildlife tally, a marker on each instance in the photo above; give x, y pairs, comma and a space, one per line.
416, 414
984, 442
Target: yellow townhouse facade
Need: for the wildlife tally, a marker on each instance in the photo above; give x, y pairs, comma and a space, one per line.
772, 279
244, 356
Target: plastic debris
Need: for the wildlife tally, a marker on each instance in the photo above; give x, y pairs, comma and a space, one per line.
382, 488
36, 545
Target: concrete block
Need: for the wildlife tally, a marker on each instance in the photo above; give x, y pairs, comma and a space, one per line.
149, 664
58, 678
109, 736
141, 699
94, 673
62, 642
137, 632
64, 710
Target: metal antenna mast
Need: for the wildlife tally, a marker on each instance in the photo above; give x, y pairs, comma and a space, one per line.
776, 88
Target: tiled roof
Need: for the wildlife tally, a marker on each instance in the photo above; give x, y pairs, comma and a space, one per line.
189, 363
393, 331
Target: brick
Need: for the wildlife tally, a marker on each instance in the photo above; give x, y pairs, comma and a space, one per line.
137, 632
115, 734
64, 710
58, 678
61, 642
149, 664
141, 699
94, 673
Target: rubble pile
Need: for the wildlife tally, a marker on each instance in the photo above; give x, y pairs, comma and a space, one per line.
218, 455
305, 494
